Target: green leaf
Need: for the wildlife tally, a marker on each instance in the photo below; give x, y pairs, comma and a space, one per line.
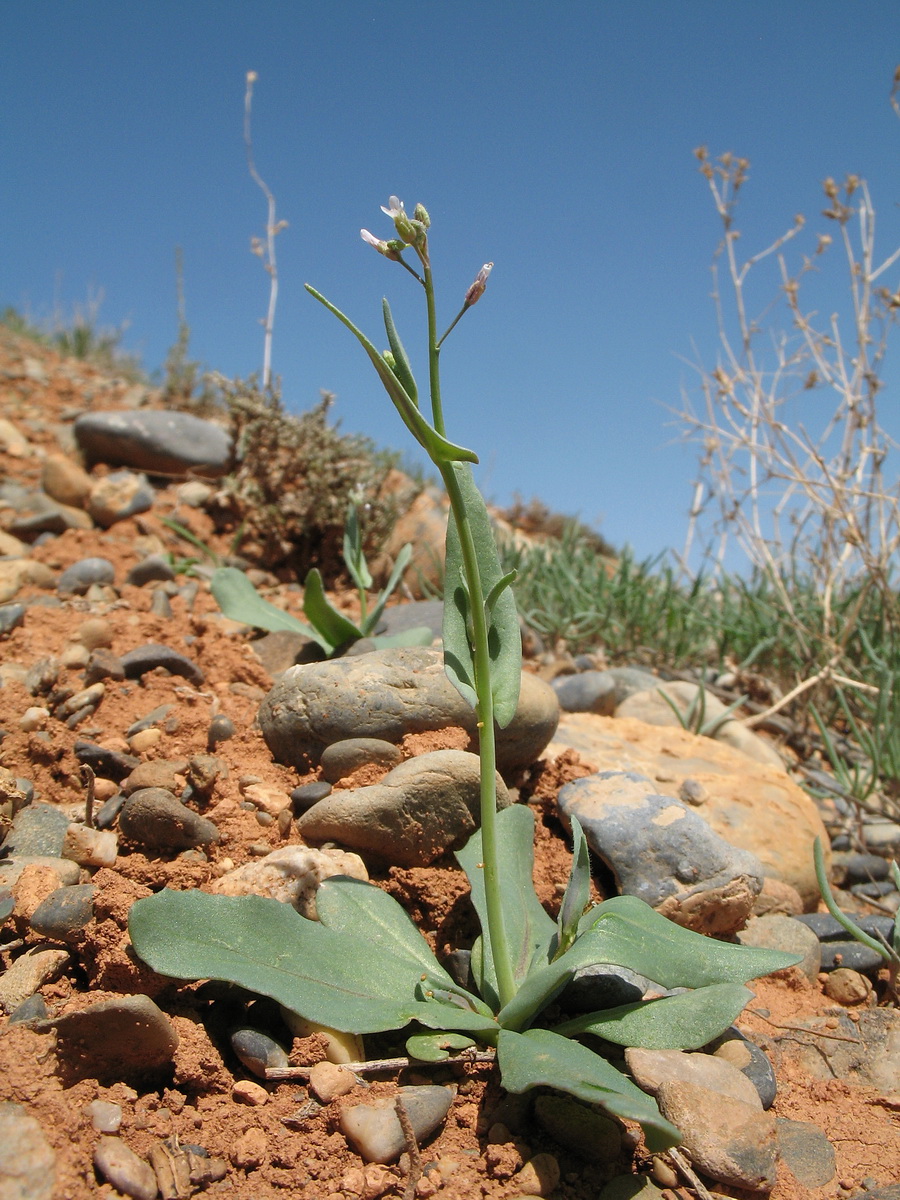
529, 929
504, 636
354, 557
683, 1022
420, 636
403, 369
540, 1058
629, 933
435, 1047
331, 977
578, 890
332, 625
438, 448
240, 601
396, 575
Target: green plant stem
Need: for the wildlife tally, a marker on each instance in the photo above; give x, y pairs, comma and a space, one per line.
484, 709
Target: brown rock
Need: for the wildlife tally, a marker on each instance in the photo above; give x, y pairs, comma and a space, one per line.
65, 481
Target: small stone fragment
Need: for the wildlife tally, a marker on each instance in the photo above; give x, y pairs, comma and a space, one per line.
29, 971
807, 1151
154, 817
129, 1174
327, 1081
106, 1117
651, 1068
539, 1176
257, 1051
221, 728
304, 797
291, 874
776, 932
27, 1160
247, 1091
374, 1129
846, 986
117, 1038
90, 847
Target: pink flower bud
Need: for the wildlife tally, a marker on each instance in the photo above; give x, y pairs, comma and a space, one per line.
381, 246
476, 291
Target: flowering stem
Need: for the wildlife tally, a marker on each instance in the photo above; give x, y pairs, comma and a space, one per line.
484, 708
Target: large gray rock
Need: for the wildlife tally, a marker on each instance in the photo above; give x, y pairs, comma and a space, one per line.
421, 809
663, 852
388, 694
166, 443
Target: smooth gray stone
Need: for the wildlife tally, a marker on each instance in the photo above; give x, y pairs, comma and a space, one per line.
630, 680
76, 580
152, 569
589, 691
64, 911
257, 1051
221, 729
304, 797
105, 816
120, 1166
37, 831
103, 664
388, 694
602, 986
168, 443
343, 758
374, 1129
422, 808
111, 764
752, 1060
152, 718
850, 954
117, 1038
827, 929
807, 1151
11, 617
156, 818
850, 867
400, 618
656, 846
27, 1160
32, 1009
882, 837
146, 658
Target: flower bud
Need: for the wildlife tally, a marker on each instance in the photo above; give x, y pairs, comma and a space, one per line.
476, 291
421, 214
406, 229
388, 249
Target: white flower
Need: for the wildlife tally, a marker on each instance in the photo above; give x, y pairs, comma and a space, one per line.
476, 291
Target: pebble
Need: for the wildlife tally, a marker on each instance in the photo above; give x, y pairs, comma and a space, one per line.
327, 1081
588, 691
257, 1051
853, 955
129, 1174
776, 932
90, 847
154, 717
418, 811
29, 1011
291, 874
64, 911
882, 837
343, 758
76, 580
117, 1038
267, 798
64, 869
105, 816
246, 1091
112, 764
387, 694
155, 568
154, 817
160, 605
851, 867
152, 655
221, 729
539, 1176
724, 1138
374, 1129
28, 973
106, 1117
750, 1059
96, 633
807, 1151
119, 495
103, 664
12, 616
170, 443
304, 797
827, 929
27, 1160
664, 852
64, 480
38, 830
588, 1132
651, 1068
34, 717
144, 740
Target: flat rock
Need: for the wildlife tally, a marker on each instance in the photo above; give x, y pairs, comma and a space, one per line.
777, 932
756, 808
76, 580
167, 443
38, 830
129, 1174
27, 1160
64, 911
291, 874
588, 691
731, 1142
374, 1129
117, 1038
387, 694
807, 1151
663, 852
146, 658
867, 1053
422, 808
651, 1068
156, 818
29, 971
343, 758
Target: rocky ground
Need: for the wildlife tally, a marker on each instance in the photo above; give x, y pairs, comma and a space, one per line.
121, 679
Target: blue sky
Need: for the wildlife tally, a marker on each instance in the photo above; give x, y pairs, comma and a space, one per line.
555, 139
